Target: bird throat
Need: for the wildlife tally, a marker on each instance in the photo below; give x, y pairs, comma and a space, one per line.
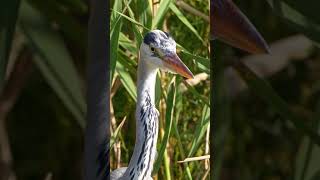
146, 82
141, 162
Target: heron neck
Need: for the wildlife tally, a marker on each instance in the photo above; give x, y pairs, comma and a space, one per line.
146, 82
141, 162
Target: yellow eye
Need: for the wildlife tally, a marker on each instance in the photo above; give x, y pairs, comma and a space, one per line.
152, 49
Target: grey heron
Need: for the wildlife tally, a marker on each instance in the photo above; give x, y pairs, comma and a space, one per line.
157, 51
227, 23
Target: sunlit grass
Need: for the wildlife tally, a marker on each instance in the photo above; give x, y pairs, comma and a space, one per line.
181, 134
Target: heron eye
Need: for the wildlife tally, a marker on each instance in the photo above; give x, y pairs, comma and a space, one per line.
152, 49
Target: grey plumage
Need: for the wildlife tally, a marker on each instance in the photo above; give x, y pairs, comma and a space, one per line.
158, 51
141, 163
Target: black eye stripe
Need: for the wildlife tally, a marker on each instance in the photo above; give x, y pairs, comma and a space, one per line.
154, 52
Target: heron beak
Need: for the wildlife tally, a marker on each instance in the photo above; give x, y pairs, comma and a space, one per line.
231, 26
174, 63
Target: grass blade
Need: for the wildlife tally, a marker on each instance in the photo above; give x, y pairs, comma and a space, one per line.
310, 9
67, 23
296, 19
144, 13
130, 19
116, 23
136, 31
181, 148
8, 15
200, 130
201, 62
184, 20
195, 159
127, 81
54, 61
170, 103
163, 8
127, 44
115, 135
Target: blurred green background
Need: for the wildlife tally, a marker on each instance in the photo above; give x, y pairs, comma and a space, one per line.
268, 112
43, 62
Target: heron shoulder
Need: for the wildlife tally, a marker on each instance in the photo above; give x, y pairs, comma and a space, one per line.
117, 174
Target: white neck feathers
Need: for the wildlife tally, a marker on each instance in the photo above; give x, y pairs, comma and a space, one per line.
141, 162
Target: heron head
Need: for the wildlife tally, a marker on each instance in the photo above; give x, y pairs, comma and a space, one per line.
159, 49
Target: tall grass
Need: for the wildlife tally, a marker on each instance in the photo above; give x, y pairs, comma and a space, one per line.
184, 108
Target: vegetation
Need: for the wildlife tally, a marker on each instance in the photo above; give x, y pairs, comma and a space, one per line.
183, 105
43, 55
42, 79
267, 107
